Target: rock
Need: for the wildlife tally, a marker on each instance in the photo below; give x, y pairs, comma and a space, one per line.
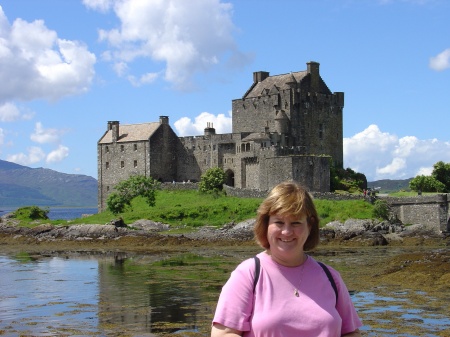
118, 223
149, 225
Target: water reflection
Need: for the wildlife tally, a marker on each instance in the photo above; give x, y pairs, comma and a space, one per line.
115, 294
134, 295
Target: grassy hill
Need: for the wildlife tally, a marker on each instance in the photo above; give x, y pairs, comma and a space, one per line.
390, 186
25, 186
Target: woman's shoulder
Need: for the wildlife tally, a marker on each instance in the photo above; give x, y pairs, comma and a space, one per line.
321, 265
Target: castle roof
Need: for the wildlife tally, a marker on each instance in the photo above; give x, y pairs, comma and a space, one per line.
272, 85
256, 136
276, 83
131, 133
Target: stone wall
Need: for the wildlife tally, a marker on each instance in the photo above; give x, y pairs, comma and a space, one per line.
431, 211
179, 186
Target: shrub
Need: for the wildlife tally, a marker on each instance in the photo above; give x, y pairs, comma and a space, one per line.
212, 180
381, 209
31, 213
129, 189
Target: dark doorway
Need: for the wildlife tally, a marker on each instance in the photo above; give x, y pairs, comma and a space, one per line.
229, 179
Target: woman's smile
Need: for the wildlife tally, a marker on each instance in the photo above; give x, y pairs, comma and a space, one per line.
286, 236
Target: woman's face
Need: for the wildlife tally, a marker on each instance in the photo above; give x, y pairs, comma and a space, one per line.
287, 236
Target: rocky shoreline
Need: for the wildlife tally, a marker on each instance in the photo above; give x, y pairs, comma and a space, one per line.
144, 234
371, 256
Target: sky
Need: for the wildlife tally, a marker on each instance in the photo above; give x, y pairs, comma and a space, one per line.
68, 67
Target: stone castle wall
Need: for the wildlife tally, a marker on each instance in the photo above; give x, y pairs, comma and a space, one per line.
432, 211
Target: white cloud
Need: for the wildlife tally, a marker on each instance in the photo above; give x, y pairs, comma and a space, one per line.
99, 5
424, 171
43, 136
380, 155
57, 155
35, 154
185, 126
10, 112
441, 61
187, 36
144, 79
37, 64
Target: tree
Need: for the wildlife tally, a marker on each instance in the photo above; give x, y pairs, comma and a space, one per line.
423, 183
381, 209
346, 179
441, 172
212, 180
127, 190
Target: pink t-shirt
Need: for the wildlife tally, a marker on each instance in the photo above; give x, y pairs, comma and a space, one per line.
275, 310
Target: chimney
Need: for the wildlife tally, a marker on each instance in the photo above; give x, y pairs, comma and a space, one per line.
209, 130
313, 68
114, 127
163, 120
260, 76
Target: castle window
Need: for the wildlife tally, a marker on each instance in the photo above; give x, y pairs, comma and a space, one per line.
122, 148
135, 163
214, 147
107, 148
107, 188
135, 147
320, 131
122, 164
107, 165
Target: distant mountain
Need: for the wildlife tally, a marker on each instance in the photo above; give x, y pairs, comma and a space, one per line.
25, 186
389, 186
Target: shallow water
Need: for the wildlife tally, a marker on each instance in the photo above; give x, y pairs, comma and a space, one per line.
60, 213
114, 294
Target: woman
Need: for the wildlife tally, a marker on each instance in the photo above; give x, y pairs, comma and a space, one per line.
293, 295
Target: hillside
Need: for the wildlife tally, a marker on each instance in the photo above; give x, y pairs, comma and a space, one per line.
389, 186
25, 186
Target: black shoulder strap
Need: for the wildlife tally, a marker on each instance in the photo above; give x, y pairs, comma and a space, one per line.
257, 267
330, 278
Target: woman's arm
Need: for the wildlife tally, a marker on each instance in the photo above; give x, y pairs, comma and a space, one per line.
355, 333
218, 330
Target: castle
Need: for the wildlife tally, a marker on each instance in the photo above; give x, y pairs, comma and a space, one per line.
285, 127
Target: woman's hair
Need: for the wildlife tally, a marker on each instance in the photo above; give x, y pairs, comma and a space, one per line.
287, 198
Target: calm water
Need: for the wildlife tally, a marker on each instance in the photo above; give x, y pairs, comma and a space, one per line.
60, 213
115, 294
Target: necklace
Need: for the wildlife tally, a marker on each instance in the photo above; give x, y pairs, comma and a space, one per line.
296, 290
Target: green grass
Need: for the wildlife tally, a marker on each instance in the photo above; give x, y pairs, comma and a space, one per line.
331, 210
189, 209
409, 194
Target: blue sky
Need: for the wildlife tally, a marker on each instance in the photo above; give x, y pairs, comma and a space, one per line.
68, 67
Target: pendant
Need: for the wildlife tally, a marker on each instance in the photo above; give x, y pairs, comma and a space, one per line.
296, 293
